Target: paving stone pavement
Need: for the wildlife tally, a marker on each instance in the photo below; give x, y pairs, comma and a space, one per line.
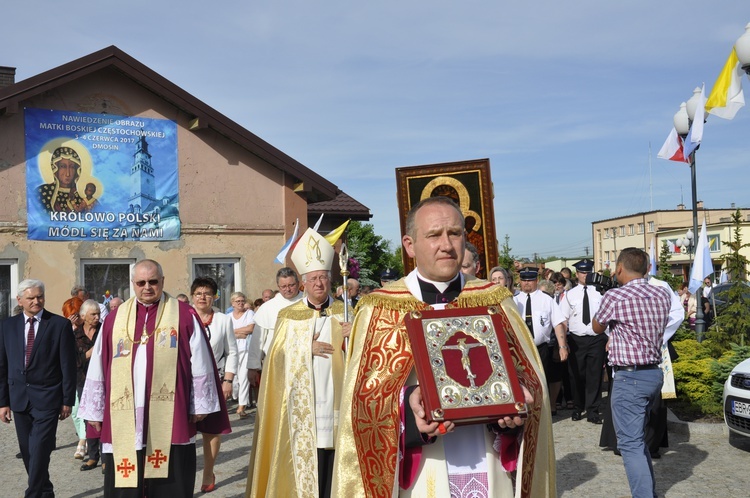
701, 461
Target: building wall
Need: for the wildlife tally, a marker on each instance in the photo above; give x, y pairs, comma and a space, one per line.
723, 232
232, 203
629, 232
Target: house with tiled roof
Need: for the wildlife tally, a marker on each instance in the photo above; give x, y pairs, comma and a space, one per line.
153, 172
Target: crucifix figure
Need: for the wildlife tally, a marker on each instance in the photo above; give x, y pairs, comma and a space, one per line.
465, 361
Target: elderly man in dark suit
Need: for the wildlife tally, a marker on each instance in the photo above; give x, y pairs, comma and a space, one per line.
37, 381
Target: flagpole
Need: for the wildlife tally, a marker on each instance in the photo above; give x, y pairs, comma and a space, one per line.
700, 323
683, 125
344, 266
650, 181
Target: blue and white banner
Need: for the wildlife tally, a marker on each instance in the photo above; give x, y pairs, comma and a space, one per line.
100, 177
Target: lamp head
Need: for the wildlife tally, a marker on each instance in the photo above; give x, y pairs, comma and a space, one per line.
682, 121
742, 48
692, 104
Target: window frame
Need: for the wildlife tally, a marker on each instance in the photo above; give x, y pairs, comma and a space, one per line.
223, 302
83, 262
13, 287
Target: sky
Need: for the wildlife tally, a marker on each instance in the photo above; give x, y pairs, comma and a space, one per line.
570, 101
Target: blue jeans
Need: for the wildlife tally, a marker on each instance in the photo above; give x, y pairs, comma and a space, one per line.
633, 395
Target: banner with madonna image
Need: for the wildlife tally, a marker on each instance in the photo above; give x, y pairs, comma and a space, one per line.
100, 177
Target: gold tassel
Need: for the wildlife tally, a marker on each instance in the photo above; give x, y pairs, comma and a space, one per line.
402, 302
297, 311
481, 293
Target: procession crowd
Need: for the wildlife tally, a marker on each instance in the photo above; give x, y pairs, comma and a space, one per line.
340, 407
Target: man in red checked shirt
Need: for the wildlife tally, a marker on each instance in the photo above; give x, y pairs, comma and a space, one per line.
636, 314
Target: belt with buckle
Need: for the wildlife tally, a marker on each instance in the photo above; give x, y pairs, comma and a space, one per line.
633, 368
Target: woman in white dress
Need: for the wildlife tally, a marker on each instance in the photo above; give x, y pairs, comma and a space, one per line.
243, 323
220, 332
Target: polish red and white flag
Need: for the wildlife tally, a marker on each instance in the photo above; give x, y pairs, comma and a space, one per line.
672, 149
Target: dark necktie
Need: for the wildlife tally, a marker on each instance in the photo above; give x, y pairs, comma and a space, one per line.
30, 338
529, 319
586, 312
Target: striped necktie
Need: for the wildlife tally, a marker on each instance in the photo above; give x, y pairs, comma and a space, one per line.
30, 339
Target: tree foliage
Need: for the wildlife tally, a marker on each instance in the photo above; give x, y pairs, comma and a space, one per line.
506, 258
372, 252
733, 323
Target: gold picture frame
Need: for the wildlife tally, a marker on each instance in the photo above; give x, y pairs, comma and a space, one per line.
469, 184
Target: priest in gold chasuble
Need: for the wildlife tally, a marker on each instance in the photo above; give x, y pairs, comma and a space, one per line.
385, 447
298, 401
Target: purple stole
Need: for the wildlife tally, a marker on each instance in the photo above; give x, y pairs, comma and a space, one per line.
182, 429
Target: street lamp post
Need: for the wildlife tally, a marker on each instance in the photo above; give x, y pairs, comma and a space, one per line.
682, 121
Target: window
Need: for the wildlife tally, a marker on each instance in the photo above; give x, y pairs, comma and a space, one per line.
631, 229
104, 278
606, 256
8, 286
226, 272
714, 243
622, 230
650, 227
606, 233
640, 228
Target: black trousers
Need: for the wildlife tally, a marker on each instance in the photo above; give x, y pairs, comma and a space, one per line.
587, 356
36, 431
325, 472
545, 353
179, 484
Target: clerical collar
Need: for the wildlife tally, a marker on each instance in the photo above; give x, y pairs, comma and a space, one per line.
432, 293
440, 286
318, 307
146, 305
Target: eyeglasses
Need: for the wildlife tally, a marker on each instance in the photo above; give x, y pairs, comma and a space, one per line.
321, 279
153, 282
203, 294
288, 286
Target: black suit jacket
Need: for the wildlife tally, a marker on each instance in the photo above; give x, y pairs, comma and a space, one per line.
49, 381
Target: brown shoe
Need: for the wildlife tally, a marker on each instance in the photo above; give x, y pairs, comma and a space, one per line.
89, 465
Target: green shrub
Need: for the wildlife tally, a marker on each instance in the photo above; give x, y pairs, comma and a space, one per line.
695, 378
700, 376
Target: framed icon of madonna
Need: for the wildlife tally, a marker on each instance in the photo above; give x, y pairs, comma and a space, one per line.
469, 184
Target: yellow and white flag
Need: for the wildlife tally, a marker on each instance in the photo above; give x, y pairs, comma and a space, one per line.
336, 234
726, 95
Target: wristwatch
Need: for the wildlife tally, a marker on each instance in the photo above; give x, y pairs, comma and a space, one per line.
564, 346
